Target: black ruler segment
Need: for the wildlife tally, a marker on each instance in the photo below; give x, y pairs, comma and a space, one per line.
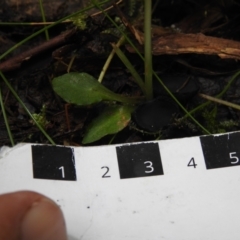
221, 151
139, 160
52, 162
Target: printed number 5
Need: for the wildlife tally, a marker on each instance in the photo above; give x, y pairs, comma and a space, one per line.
149, 166
233, 157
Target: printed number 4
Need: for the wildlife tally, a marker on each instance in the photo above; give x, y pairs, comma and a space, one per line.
192, 163
233, 157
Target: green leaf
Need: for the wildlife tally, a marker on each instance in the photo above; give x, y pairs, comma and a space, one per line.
111, 121
83, 89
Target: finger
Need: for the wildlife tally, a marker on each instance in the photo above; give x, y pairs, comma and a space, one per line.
28, 215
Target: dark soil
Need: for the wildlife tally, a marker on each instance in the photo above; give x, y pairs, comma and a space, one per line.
185, 74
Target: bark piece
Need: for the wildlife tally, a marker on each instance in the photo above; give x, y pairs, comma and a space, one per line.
180, 43
16, 62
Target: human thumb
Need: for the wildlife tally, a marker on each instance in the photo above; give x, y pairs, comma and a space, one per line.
29, 215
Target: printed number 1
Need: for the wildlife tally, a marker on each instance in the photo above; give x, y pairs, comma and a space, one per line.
63, 174
192, 163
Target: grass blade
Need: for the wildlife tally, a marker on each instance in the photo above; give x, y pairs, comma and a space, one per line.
233, 78
220, 101
26, 109
148, 48
6, 120
109, 59
130, 67
43, 18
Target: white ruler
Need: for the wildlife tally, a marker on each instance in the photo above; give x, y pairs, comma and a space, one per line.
182, 189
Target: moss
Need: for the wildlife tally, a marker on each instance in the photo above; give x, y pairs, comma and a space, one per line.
41, 117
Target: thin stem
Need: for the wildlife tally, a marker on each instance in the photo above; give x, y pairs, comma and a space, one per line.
228, 84
148, 48
71, 63
220, 101
26, 109
111, 140
6, 120
106, 9
44, 18
131, 68
217, 96
109, 59
180, 105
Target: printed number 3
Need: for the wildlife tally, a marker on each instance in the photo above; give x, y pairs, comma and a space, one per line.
149, 166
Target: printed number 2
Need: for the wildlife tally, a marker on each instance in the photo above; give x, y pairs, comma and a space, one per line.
62, 168
192, 163
149, 166
233, 157
105, 174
